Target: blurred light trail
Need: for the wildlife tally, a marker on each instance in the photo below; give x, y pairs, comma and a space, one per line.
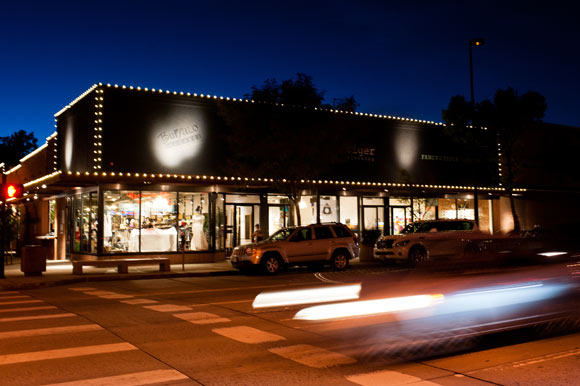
552, 254
368, 307
307, 296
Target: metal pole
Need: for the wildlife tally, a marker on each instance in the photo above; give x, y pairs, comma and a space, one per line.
471, 72
3, 226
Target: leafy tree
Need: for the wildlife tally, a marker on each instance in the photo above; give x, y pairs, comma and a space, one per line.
298, 91
16, 146
506, 118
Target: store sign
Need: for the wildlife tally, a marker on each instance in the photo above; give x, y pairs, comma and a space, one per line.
177, 141
362, 153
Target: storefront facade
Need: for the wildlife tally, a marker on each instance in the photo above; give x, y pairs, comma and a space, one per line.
133, 171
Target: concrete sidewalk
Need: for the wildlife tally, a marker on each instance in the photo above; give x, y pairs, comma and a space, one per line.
59, 272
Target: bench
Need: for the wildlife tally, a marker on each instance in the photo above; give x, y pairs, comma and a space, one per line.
121, 264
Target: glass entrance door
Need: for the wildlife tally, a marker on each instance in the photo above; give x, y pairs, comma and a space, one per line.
240, 225
400, 217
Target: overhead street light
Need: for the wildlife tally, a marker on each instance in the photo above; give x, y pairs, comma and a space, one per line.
473, 43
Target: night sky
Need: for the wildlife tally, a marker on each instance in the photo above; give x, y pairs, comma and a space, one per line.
402, 58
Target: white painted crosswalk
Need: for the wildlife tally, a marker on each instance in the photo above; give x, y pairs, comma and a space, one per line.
67, 340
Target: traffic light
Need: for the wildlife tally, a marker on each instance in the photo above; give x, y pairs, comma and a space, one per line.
12, 191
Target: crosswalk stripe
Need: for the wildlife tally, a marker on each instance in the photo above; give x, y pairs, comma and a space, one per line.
35, 317
202, 318
312, 356
49, 331
247, 334
138, 301
134, 379
15, 297
81, 289
168, 308
108, 295
27, 309
65, 353
386, 377
20, 302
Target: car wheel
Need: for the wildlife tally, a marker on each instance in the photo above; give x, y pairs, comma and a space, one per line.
417, 255
339, 261
270, 264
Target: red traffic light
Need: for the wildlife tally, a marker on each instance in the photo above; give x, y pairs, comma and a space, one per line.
12, 191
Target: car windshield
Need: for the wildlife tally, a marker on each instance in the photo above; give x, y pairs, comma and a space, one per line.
282, 234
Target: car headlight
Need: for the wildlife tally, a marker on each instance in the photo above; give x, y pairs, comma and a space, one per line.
402, 243
249, 251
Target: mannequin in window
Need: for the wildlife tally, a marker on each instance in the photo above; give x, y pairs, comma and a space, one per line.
198, 240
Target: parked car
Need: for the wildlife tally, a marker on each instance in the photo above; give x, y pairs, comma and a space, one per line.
431, 240
330, 243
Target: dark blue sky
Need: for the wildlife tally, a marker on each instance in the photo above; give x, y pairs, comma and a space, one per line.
403, 58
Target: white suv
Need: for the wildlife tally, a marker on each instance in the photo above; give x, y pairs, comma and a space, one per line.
330, 243
431, 240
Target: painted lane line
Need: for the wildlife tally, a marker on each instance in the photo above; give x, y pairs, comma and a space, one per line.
98, 293
36, 317
202, 318
134, 379
82, 289
168, 308
21, 302
312, 356
27, 309
386, 377
65, 353
535, 360
139, 301
49, 331
246, 334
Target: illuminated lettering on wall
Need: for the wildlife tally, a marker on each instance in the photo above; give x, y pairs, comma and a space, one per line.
178, 138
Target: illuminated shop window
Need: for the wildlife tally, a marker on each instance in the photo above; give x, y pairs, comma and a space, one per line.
307, 207
193, 218
85, 222
349, 212
424, 209
328, 209
158, 223
121, 218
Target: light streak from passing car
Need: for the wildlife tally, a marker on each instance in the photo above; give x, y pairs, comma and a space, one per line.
368, 307
307, 296
552, 254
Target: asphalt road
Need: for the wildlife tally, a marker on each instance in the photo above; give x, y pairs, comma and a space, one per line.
205, 331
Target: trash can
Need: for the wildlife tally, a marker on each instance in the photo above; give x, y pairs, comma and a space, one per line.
33, 260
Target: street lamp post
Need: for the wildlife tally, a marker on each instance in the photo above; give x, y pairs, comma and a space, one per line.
474, 42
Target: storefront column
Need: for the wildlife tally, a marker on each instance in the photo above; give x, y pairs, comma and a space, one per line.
264, 218
475, 207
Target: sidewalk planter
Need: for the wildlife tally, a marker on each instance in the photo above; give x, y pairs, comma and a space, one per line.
33, 260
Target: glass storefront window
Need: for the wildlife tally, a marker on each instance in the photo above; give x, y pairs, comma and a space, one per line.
121, 220
328, 209
307, 207
277, 217
399, 201
158, 223
243, 199
194, 221
424, 209
373, 201
52, 216
77, 219
465, 209
349, 212
220, 223
485, 215
447, 208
